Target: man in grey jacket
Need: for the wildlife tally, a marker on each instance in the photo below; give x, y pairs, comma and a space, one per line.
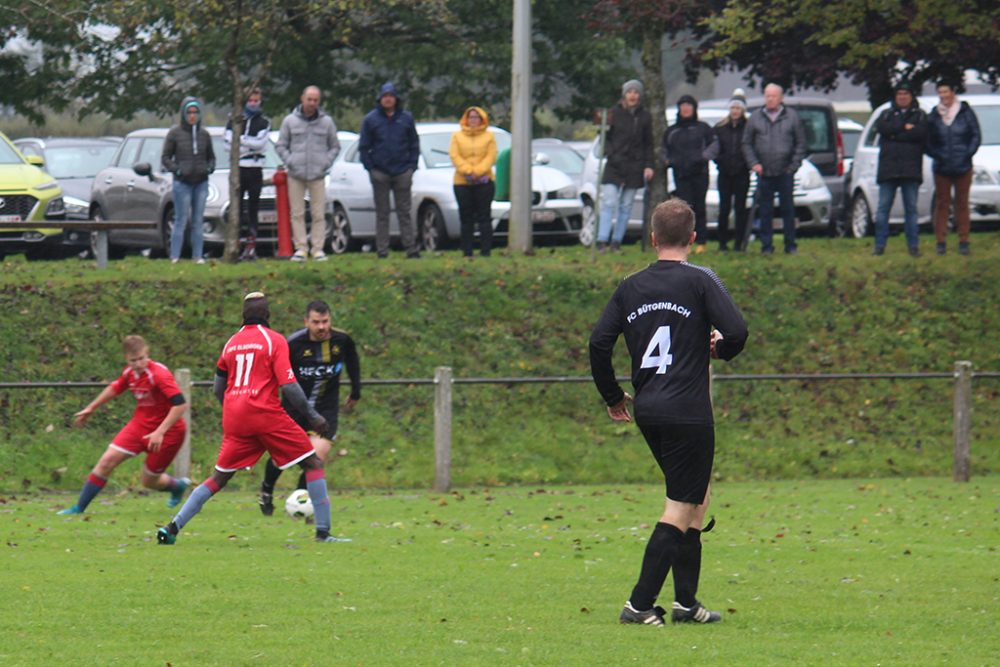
188, 155
308, 145
774, 145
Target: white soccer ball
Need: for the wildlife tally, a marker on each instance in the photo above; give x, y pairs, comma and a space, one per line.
298, 505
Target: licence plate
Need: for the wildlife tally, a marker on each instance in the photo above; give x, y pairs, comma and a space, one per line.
267, 216
10, 218
543, 216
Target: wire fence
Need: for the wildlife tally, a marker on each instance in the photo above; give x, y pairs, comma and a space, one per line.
443, 382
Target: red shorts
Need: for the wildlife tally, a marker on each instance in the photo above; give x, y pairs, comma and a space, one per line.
284, 440
130, 441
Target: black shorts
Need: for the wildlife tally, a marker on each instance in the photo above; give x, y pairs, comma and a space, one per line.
331, 420
684, 453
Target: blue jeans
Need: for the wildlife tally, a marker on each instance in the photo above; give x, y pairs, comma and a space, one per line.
886, 195
784, 185
189, 203
615, 198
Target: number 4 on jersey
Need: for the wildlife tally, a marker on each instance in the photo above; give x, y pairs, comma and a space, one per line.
657, 353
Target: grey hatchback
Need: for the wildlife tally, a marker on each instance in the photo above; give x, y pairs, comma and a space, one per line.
135, 187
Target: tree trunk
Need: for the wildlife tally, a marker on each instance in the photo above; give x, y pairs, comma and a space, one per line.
655, 99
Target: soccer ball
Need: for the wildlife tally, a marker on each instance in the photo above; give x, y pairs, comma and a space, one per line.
298, 505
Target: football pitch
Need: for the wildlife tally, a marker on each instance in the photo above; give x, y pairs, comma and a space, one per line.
844, 572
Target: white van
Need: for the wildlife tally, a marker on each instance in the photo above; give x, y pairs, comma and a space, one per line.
984, 196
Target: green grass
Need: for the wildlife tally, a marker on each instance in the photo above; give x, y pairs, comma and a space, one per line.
835, 572
833, 308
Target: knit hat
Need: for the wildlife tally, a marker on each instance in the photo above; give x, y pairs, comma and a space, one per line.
632, 84
904, 85
739, 99
687, 99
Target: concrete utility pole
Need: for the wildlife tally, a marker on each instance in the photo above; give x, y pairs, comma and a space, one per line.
520, 227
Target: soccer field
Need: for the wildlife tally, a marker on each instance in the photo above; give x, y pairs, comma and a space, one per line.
846, 572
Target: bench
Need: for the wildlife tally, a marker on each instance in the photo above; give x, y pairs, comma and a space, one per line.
99, 226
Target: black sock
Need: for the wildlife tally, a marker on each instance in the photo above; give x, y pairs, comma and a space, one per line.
687, 568
660, 553
302, 481
271, 475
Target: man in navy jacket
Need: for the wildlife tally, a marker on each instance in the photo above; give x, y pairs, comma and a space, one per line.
389, 149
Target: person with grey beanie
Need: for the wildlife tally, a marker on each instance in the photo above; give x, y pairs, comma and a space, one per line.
628, 148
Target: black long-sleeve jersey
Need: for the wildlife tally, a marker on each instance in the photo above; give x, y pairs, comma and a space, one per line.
317, 366
666, 313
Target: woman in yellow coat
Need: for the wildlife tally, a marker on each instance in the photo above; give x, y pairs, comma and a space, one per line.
473, 151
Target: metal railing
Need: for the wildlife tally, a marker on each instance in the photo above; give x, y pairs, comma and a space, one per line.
444, 381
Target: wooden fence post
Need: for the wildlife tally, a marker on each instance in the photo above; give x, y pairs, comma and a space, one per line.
442, 428
963, 419
182, 462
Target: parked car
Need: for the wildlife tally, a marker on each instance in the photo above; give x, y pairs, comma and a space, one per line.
851, 132
984, 195
135, 187
28, 194
73, 161
556, 211
561, 155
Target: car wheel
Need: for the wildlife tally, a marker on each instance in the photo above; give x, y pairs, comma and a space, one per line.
430, 228
340, 231
861, 217
588, 229
167, 230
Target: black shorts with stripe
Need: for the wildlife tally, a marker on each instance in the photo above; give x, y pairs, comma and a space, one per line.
685, 453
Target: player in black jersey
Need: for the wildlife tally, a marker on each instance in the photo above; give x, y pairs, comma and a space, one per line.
674, 316
319, 354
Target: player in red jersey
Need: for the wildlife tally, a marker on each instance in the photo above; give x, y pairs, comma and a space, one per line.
156, 427
253, 367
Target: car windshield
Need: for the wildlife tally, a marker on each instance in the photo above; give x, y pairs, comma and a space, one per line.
271, 159
989, 124
8, 155
434, 147
78, 161
562, 158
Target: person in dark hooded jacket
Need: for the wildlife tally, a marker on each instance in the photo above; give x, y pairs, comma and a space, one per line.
688, 146
390, 148
188, 155
902, 129
953, 138
734, 172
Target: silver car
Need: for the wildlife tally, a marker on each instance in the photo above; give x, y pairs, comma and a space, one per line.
984, 195
135, 187
556, 211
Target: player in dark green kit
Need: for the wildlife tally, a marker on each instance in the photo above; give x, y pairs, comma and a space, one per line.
319, 354
674, 317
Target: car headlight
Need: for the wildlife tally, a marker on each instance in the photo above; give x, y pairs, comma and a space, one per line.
811, 180
213, 194
55, 208
47, 186
982, 176
76, 207
568, 192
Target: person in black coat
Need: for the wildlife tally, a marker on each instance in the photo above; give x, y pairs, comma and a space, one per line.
902, 129
688, 145
734, 173
953, 138
628, 148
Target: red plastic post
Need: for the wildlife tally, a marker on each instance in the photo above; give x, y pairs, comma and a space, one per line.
284, 213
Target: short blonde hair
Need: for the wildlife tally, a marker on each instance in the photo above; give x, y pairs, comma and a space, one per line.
134, 344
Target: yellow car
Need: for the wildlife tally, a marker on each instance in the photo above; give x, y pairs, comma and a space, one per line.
28, 194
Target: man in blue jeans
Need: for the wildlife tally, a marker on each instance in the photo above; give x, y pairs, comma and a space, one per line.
188, 155
903, 130
629, 151
774, 145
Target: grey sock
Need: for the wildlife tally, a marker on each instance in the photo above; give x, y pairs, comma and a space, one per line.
321, 503
193, 505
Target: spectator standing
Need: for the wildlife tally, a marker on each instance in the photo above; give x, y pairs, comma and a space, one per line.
774, 145
628, 147
903, 131
473, 151
734, 174
953, 138
688, 146
252, 143
189, 156
308, 145
389, 149
666, 314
